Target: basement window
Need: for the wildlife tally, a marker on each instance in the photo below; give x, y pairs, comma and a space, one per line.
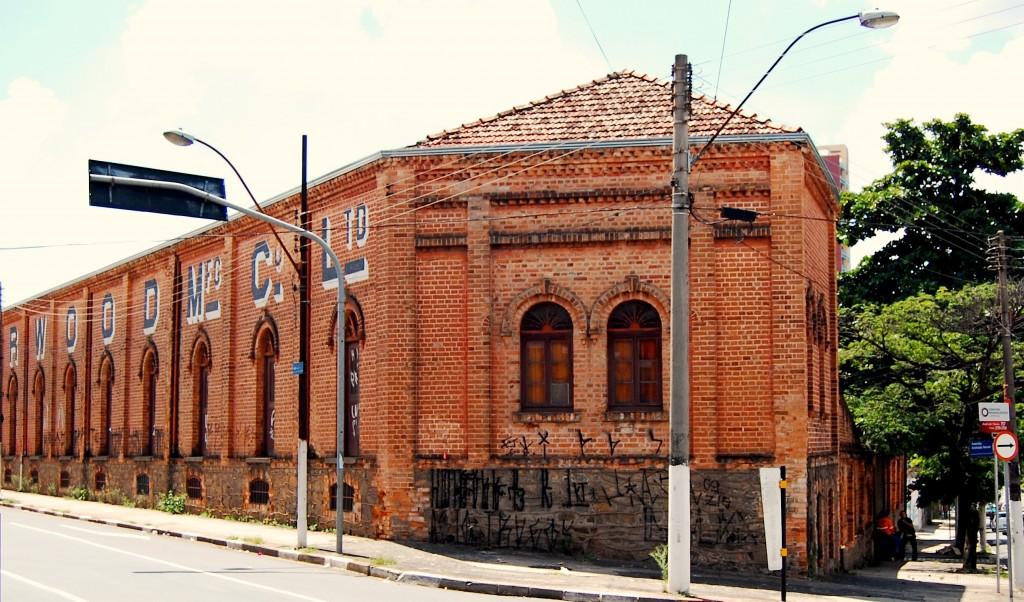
194, 488
142, 484
65, 480
259, 492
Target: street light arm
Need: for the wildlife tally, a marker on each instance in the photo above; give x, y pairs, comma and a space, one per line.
251, 195
760, 81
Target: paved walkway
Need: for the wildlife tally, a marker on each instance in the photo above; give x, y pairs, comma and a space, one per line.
932, 579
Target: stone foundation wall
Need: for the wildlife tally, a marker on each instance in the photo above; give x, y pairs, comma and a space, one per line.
605, 512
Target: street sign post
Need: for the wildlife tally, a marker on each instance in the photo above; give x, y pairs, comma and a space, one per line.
1006, 446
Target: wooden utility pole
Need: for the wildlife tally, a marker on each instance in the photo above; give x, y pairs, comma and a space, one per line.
1014, 519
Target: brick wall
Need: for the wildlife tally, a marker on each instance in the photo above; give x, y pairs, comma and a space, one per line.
454, 250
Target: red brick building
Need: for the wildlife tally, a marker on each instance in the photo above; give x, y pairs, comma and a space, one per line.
507, 336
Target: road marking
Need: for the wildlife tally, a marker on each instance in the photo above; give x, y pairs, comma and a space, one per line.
171, 564
102, 534
45, 588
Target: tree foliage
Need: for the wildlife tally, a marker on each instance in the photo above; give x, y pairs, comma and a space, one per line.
932, 196
914, 372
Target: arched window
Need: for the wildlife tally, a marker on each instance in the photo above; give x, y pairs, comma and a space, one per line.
148, 440
12, 414
68, 411
265, 379
39, 390
353, 352
106, 406
634, 357
545, 356
200, 398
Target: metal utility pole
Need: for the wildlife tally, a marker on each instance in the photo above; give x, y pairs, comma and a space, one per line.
679, 387
302, 457
1014, 519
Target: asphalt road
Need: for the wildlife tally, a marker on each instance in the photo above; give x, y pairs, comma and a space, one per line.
49, 558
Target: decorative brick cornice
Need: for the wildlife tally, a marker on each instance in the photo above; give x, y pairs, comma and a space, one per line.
547, 196
554, 237
429, 241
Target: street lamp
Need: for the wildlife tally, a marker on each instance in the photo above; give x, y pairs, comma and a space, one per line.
679, 409
180, 138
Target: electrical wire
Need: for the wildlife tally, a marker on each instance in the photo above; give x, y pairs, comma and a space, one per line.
579, 3
721, 56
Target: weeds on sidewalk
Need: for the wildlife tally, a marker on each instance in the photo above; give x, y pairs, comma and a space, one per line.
383, 561
660, 555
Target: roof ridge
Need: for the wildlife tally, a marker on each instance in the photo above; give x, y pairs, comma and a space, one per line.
551, 98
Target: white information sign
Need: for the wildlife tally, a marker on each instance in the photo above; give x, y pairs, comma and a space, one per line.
993, 412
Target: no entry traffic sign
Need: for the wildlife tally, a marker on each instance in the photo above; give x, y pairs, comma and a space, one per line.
1005, 445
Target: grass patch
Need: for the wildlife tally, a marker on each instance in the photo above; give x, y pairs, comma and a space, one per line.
253, 539
383, 561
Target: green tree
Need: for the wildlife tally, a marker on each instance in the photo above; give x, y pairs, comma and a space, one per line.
932, 196
913, 373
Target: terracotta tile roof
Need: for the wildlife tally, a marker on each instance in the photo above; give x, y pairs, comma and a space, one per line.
623, 105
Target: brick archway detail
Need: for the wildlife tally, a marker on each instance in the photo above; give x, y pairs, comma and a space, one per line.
630, 288
266, 322
149, 347
352, 306
201, 337
546, 290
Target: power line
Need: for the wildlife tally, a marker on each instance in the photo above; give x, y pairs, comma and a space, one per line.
721, 56
594, 33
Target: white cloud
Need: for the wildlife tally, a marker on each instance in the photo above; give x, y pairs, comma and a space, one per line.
927, 78
250, 78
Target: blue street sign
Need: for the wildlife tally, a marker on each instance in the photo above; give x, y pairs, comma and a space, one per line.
981, 448
299, 368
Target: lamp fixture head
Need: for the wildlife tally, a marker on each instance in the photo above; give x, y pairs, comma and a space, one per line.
878, 19
179, 138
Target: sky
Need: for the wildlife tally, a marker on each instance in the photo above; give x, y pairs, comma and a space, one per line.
103, 80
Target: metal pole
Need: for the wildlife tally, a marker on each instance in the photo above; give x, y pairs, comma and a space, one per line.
339, 488
679, 385
1014, 519
995, 515
784, 552
119, 180
302, 455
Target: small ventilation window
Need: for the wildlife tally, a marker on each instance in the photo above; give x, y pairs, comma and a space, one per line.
101, 481
7, 475
33, 476
194, 488
259, 492
142, 484
65, 479
333, 495
347, 498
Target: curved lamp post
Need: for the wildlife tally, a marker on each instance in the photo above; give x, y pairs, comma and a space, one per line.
679, 387
180, 138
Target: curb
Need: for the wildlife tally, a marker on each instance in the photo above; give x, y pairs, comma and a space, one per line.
340, 562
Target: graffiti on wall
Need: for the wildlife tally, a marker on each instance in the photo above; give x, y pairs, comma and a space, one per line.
542, 509
573, 509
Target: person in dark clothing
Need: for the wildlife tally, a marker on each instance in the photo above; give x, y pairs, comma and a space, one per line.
908, 535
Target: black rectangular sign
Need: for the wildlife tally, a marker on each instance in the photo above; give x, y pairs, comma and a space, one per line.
155, 200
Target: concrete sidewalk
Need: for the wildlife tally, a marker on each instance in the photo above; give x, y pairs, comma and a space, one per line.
522, 574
